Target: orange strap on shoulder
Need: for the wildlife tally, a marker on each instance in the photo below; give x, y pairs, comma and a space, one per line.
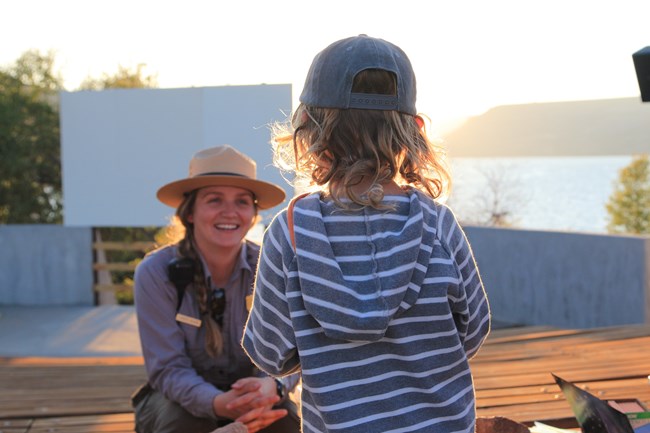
292, 203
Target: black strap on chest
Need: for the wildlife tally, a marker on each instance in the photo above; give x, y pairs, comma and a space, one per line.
181, 270
181, 274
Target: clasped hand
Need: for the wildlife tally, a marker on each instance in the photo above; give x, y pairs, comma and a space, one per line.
250, 401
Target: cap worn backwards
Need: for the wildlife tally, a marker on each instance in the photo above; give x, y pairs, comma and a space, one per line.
331, 76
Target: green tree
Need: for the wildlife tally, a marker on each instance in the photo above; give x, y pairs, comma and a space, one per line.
124, 78
30, 157
629, 205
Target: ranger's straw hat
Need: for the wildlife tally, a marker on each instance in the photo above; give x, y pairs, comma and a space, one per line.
222, 166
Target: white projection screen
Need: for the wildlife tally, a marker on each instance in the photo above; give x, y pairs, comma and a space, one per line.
120, 145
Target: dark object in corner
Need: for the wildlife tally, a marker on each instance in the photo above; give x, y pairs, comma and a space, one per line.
593, 414
642, 65
499, 424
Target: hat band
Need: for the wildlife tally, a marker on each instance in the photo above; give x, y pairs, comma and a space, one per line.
368, 101
221, 173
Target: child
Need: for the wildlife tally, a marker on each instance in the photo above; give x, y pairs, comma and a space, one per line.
379, 304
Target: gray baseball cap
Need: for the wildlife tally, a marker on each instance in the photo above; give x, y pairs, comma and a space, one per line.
330, 77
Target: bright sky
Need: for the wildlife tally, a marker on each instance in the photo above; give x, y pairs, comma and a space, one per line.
468, 55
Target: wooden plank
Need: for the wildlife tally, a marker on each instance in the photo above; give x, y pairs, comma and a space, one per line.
602, 389
42, 388
111, 287
116, 266
524, 333
15, 425
115, 423
72, 361
127, 246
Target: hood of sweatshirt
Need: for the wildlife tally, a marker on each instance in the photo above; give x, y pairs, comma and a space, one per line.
358, 270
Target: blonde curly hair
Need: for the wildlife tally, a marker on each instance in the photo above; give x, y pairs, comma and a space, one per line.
337, 149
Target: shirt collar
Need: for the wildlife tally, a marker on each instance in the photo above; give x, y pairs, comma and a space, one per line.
241, 264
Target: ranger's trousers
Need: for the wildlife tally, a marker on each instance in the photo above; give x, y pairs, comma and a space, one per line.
156, 414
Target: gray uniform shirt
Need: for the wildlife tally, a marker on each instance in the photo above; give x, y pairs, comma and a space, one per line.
176, 361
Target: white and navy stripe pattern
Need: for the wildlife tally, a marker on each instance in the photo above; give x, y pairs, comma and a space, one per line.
379, 310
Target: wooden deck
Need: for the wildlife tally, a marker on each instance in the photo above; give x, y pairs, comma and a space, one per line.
512, 376
512, 372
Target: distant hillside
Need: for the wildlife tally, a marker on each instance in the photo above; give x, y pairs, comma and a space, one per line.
598, 127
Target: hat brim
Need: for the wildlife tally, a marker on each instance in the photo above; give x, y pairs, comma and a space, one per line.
266, 193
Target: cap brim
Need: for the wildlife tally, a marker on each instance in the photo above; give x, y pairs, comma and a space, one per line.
266, 193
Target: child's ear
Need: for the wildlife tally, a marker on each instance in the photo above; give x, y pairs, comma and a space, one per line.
303, 117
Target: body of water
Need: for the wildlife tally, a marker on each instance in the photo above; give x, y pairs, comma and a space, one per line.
541, 193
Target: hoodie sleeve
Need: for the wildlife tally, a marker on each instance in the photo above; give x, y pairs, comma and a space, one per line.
469, 302
268, 338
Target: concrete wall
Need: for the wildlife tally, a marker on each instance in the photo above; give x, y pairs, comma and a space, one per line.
563, 279
45, 265
568, 280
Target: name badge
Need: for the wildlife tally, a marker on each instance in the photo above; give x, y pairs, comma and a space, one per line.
188, 320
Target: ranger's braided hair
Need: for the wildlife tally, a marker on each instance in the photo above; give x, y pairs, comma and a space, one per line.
187, 248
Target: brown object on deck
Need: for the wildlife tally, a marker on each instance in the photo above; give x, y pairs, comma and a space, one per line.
499, 424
